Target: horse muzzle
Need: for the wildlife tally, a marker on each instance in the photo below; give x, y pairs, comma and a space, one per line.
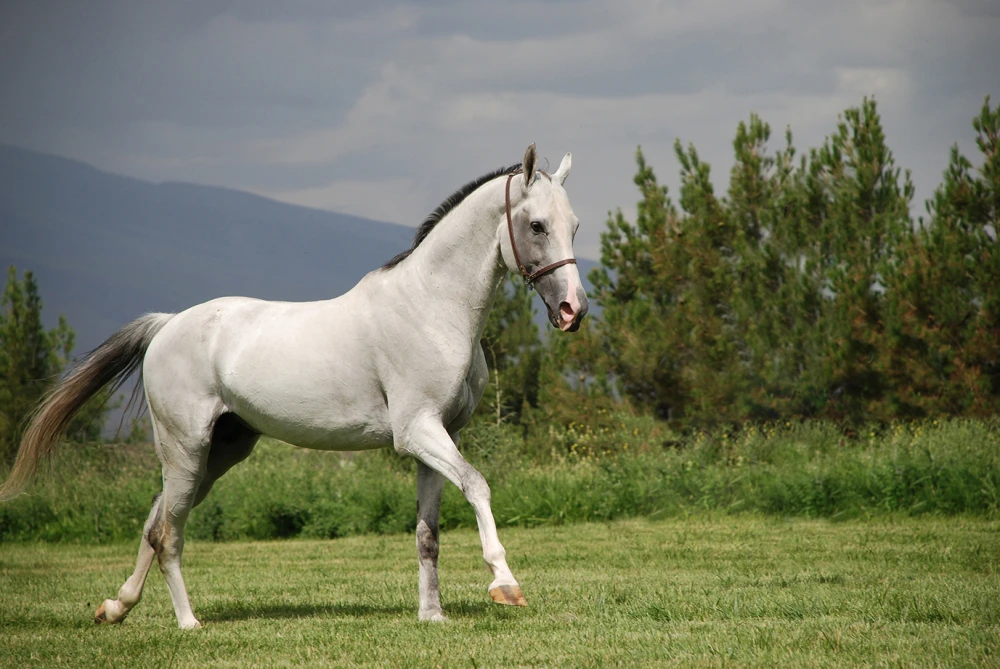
570, 314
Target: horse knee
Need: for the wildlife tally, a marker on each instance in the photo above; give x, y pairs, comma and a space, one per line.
427, 541
475, 487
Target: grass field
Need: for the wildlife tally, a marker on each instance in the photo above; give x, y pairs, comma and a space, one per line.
703, 590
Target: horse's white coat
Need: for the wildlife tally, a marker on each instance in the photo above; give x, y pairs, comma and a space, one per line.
394, 361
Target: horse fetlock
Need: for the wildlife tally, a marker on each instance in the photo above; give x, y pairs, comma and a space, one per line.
496, 562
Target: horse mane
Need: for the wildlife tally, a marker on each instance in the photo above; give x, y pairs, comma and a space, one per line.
445, 208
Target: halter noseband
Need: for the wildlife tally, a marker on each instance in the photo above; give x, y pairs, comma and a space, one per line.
529, 277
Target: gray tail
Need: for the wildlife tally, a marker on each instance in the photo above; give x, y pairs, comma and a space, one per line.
110, 363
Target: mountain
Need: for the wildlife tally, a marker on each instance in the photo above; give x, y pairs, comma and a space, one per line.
106, 248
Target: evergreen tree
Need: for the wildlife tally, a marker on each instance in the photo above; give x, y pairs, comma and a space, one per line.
777, 288
640, 344
861, 212
707, 235
31, 358
943, 345
983, 211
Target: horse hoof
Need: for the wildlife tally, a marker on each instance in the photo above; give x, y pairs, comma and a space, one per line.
510, 595
434, 617
108, 612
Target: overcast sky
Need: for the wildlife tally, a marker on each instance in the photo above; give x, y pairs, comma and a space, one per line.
382, 109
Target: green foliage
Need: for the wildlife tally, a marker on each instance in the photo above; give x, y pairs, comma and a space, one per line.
513, 354
863, 212
807, 292
616, 466
942, 353
637, 344
89, 492
31, 358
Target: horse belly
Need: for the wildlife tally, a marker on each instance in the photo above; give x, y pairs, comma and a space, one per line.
309, 400
323, 421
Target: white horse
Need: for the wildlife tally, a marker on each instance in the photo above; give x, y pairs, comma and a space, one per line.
394, 361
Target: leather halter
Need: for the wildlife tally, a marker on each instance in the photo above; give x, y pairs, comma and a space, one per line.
529, 277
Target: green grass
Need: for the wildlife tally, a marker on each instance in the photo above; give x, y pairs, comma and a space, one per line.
708, 590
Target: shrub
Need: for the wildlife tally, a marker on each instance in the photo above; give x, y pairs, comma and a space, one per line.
625, 467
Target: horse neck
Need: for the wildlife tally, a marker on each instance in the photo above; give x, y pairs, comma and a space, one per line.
458, 265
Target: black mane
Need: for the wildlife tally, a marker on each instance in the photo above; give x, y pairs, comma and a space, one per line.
444, 208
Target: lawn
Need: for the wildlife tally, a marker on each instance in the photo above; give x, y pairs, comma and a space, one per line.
703, 590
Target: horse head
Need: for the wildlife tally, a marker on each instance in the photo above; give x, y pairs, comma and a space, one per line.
536, 239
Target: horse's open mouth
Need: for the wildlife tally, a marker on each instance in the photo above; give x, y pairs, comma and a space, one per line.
566, 320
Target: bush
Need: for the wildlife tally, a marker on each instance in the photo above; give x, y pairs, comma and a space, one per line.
624, 467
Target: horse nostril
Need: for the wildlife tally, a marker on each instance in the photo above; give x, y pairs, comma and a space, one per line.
566, 311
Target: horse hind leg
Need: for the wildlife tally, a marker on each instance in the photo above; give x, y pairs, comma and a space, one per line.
182, 445
232, 442
196, 462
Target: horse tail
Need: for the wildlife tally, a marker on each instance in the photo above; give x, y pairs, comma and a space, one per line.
111, 362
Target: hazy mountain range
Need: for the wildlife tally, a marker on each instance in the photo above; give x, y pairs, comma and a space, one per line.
107, 248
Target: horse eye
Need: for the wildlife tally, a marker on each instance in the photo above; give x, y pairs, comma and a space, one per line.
537, 227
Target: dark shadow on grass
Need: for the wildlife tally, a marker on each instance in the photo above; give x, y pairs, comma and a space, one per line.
235, 610
40, 621
243, 611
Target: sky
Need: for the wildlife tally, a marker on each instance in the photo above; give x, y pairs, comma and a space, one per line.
382, 109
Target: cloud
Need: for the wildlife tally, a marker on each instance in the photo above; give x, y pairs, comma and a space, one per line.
384, 108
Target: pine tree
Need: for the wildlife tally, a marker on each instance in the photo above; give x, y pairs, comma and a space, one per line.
707, 321
31, 358
943, 348
777, 291
807, 292
984, 212
861, 212
639, 346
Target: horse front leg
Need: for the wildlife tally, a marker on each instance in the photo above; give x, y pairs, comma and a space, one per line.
430, 443
429, 486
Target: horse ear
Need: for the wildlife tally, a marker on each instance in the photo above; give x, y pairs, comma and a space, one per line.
528, 167
563, 171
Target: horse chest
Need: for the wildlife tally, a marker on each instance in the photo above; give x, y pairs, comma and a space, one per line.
447, 379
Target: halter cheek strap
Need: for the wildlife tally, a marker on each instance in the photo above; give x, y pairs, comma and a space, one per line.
529, 277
